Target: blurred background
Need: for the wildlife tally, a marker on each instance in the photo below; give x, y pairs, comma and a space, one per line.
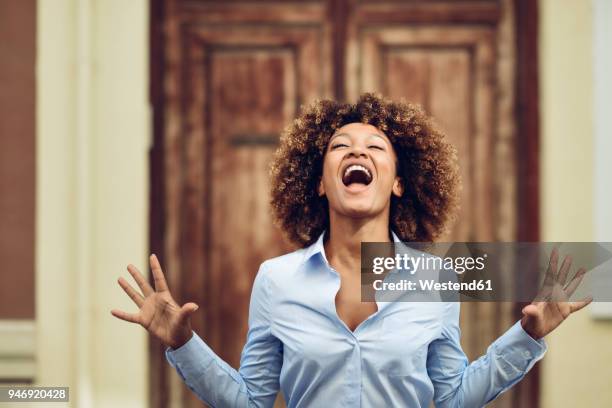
131, 126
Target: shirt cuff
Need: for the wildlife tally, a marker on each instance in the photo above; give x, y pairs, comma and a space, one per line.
519, 349
193, 357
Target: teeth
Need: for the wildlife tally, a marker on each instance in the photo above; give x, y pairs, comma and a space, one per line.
356, 167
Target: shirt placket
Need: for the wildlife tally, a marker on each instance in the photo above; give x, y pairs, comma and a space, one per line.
353, 375
353, 369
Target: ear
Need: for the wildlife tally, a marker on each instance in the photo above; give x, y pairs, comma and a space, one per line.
398, 188
320, 188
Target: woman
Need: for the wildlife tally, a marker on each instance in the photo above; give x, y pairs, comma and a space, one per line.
344, 174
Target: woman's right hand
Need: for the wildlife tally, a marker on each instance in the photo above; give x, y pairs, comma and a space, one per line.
159, 313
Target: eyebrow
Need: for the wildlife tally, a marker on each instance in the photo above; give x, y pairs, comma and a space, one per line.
347, 134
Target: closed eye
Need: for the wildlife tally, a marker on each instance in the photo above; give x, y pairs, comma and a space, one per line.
376, 147
338, 145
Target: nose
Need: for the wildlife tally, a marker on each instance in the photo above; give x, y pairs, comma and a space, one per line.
357, 151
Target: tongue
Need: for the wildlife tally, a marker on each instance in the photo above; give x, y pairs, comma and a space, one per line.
356, 176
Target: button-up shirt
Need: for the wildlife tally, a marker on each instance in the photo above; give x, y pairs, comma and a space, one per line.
407, 354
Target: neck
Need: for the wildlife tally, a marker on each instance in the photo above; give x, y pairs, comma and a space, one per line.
343, 248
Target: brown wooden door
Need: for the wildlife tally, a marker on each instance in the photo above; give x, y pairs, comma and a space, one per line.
226, 78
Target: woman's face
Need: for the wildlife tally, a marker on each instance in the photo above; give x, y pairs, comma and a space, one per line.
359, 171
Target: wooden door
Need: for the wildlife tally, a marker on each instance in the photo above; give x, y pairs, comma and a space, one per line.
226, 78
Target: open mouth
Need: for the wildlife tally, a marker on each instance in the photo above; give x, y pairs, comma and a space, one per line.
356, 174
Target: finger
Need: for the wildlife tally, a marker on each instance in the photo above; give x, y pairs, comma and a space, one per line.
565, 267
158, 275
140, 280
571, 287
188, 309
530, 310
552, 268
131, 292
128, 317
576, 306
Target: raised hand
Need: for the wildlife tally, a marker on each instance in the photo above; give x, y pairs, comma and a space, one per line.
159, 313
552, 306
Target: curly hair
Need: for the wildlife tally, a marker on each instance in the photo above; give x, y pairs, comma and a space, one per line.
426, 165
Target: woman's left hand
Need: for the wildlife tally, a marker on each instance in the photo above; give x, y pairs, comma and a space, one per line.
552, 305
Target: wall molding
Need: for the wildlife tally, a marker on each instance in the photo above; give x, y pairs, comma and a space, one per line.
17, 350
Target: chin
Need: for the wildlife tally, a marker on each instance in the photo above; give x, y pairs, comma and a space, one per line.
359, 209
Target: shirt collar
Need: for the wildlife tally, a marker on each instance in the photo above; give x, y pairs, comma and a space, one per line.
317, 247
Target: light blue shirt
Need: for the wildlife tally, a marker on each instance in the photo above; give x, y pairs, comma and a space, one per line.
404, 355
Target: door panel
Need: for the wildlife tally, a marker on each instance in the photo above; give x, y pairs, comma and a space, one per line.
450, 72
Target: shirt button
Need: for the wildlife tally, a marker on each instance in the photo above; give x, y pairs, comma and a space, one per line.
526, 354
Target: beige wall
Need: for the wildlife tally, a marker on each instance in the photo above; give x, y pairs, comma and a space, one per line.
93, 135
578, 367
